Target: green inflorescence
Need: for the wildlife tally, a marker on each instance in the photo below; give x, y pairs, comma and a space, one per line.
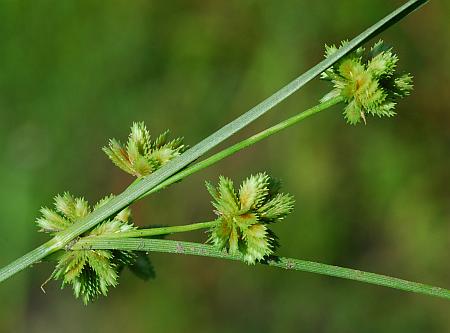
368, 84
90, 272
141, 156
367, 81
242, 223
243, 217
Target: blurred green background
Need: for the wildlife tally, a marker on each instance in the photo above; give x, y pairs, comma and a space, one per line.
375, 197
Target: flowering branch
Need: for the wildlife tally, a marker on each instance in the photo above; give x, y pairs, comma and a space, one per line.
92, 244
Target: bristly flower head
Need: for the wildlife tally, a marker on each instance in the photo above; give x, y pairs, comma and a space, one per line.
142, 156
367, 82
243, 217
90, 272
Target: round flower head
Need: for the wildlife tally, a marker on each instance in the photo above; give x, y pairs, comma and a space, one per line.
90, 272
142, 156
368, 83
243, 217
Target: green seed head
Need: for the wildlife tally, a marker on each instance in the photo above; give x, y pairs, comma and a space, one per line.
141, 156
243, 217
368, 82
89, 272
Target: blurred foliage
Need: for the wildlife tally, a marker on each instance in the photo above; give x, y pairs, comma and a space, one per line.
375, 197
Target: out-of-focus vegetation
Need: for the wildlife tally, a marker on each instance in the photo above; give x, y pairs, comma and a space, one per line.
375, 197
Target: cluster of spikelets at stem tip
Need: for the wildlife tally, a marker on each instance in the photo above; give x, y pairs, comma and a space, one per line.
367, 81
243, 217
141, 156
91, 272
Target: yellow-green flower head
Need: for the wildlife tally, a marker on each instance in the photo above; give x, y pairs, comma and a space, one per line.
141, 156
367, 82
243, 217
89, 272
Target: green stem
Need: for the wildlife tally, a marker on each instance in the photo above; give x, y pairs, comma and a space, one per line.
170, 246
245, 143
156, 231
30, 258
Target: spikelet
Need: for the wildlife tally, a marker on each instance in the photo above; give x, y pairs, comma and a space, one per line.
141, 156
243, 219
91, 272
368, 83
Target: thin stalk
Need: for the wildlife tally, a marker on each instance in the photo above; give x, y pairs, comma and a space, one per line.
245, 143
30, 258
171, 246
158, 231
135, 191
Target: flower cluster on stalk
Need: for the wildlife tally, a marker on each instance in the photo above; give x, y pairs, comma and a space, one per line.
141, 156
367, 81
91, 272
244, 216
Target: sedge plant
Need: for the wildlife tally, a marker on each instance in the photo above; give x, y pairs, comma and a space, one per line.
92, 244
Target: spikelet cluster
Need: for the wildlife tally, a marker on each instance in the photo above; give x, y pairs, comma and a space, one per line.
89, 272
141, 156
368, 82
244, 216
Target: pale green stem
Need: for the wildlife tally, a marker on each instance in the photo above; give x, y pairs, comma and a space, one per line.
30, 258
171, 246
245, 143
158, 231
